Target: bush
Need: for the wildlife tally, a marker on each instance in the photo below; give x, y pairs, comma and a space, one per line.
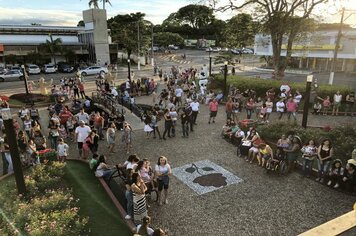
262, 85
343, 138
47, 209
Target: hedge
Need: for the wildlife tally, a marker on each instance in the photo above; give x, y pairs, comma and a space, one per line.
262, 85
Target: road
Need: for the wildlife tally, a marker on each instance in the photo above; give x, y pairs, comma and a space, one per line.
194, 58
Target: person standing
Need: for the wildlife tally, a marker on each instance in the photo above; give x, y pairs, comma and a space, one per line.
99, 124
325, 154
292, 109
138, 189
63, 150
167, 124
250, 105
350, 102
336, 103
179, 94
195, 110
127, 136
81, 133
154, 124
163, 171
213, 107
280, 108
185, 124
110, 137
228, 108
82, 115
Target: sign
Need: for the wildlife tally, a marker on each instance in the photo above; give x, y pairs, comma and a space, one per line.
285, 87
323, 47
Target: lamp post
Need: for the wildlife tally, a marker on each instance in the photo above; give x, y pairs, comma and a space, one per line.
25, 77
14, 151
129, 72
225, 78
209, 63
152, 52
306, 100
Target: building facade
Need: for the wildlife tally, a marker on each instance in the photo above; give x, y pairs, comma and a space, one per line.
315, 51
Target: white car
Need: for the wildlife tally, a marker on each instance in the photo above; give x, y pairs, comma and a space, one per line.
11, 75
173, 47
49, 68
33, 70
93, 70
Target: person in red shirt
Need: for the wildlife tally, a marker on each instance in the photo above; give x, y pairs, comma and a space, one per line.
213, 107
64, 116
81, 90
292, 109
99, 124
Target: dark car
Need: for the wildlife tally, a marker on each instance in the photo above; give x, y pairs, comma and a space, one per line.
65, 68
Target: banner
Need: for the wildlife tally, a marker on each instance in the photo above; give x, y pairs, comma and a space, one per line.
325, 47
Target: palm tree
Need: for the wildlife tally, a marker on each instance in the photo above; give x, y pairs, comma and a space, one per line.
95, 3
53, 46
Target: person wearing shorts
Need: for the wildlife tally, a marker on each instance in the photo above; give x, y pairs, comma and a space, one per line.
213, 107
163, 171
337, 103
81, 133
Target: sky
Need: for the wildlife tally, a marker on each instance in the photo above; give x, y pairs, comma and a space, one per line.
69, 12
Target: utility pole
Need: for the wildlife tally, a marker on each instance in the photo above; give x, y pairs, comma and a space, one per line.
152, 59
138, 46
306, 101
337, 46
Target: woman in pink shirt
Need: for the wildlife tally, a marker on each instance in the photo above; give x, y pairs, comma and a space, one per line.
213, 107
292, 109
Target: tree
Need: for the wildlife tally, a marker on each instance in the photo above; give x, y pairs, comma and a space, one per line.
94, 3
168, 38
124, 31
196, 16
52, 46
240, 31
81, 23
276, 16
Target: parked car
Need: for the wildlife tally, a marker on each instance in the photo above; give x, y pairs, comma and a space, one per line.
33, 69
216, 49
11, 75
247, 51
16, 68
65, 68
235, 51
173, 47
93, 70
49, 68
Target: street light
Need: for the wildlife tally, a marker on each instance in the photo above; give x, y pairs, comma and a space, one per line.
129, 72
306, 100
209, 63
225, 78
25, 79
14, 151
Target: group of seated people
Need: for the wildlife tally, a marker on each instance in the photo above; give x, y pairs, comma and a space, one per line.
289, 149
139, 179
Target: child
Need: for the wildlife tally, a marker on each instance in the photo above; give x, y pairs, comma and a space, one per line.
335, 174
317, 108
70, 127
263, 112
63, 150
326, 104
63, 132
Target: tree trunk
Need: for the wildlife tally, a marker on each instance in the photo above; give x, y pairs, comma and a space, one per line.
279, 62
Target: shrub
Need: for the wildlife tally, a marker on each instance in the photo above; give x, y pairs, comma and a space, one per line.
48, 209
262, 85
343, 138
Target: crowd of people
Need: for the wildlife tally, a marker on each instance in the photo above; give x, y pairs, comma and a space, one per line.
290, 149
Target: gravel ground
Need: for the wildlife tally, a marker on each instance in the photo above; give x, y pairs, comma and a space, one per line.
263, 204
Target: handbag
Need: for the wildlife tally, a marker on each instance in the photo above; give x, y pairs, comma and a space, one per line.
246, 143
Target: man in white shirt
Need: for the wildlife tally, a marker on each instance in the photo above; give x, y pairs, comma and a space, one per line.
81, 133
179, 93
114, 92
83, 116
195, 110
337, 103
280, 107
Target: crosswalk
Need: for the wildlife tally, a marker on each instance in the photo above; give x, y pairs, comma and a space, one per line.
173, 58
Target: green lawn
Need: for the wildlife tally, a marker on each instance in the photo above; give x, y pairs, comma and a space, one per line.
103, 216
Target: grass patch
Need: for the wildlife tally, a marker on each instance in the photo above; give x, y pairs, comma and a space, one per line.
104, 219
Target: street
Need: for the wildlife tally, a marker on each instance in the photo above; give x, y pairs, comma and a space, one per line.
194, 58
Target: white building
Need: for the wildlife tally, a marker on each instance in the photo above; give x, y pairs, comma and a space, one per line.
316, 51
